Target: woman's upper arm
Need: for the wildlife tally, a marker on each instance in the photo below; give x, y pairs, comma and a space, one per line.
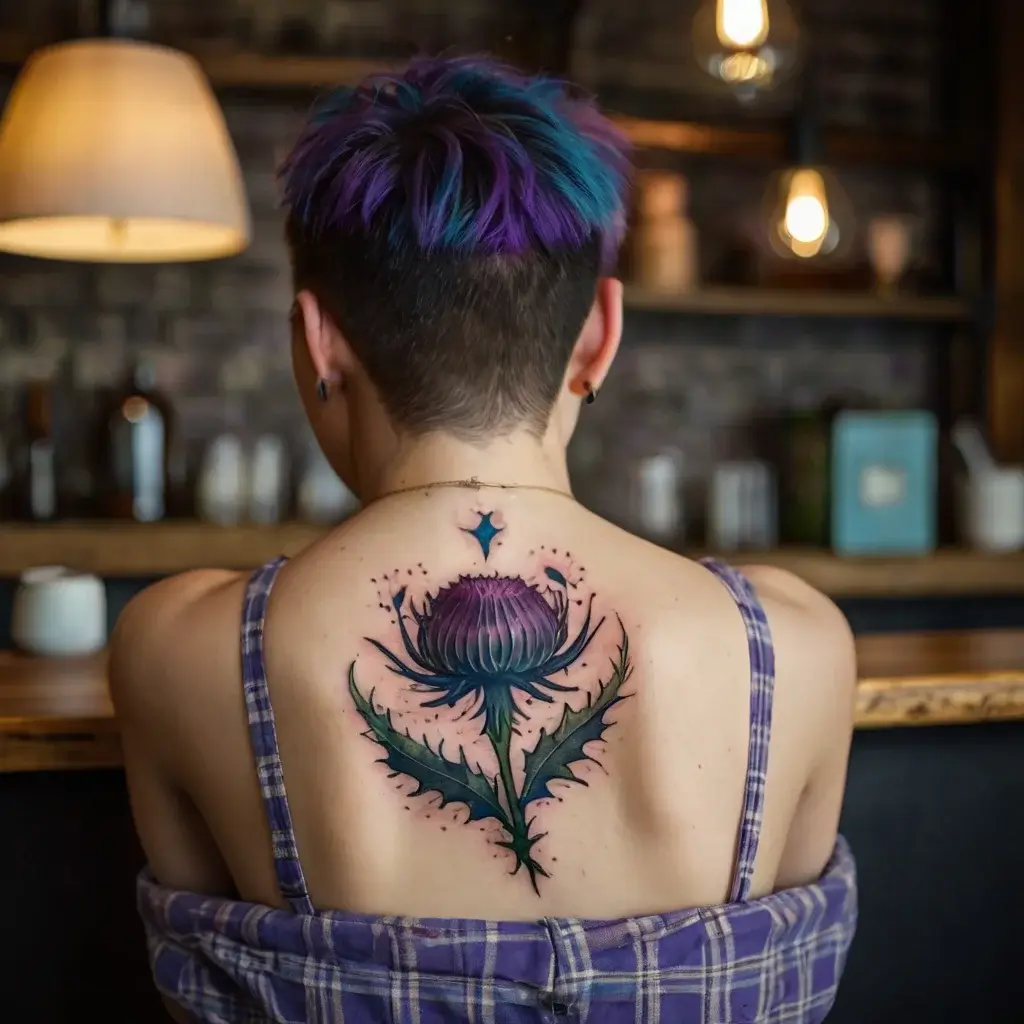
152, 684
816, 682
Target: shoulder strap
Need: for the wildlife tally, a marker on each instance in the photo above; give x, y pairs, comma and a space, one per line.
762, 688
263, 735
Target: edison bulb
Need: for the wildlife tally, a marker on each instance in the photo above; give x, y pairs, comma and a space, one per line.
741, 24
749, 45
806, 220
805, 223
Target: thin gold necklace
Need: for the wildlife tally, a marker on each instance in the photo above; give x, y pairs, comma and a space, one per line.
472, 484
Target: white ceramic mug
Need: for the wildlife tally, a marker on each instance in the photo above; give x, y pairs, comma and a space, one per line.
59, 613
992, 504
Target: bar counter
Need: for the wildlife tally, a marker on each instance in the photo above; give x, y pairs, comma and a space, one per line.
56, 713
932, 813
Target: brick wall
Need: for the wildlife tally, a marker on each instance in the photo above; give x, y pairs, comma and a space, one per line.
875, 62
218, 331
220, 335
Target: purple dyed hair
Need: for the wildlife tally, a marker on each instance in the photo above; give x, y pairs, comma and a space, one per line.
461, 154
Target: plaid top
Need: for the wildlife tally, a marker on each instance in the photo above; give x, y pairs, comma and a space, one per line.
774, 959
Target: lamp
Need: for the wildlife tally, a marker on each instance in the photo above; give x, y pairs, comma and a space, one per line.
116, 151
809, 213
749, 45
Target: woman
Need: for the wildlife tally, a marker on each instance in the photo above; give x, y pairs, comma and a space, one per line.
483, 753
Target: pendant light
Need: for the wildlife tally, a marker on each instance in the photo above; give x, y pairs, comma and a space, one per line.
808, 212
116, 151
748, 45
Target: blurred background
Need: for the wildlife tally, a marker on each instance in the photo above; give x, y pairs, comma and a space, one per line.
875, 123
822, 368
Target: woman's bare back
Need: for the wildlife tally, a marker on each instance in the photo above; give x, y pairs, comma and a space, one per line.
492, 705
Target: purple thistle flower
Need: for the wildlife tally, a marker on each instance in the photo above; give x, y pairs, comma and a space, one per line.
485, 636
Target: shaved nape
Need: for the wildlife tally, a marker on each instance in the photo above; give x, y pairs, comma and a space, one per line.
453, 219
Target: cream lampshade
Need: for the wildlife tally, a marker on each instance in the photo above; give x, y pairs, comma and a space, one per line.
114, 151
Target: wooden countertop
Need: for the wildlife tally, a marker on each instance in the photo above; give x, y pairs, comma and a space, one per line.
146, 550
56, 714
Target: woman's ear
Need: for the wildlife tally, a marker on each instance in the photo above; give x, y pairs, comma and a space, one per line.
599, 340
319, 335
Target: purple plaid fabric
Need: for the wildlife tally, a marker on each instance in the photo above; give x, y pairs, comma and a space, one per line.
775, 959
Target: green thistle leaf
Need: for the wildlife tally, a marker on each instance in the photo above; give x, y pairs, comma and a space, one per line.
454, 781
555, 752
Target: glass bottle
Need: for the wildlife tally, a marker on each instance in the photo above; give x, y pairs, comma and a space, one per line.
136, 449
643, 472
805, 484
38, 482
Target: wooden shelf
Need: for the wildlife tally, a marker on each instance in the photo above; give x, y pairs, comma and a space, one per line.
771, 144
116, 549
236, 69
949, 572
256, 71
783, 302
55, 714
158, 549
765, 143
768, 143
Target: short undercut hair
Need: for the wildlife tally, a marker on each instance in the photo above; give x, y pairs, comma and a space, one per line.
453, 220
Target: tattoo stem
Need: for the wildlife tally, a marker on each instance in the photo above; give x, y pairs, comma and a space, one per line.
501, 741
520, 841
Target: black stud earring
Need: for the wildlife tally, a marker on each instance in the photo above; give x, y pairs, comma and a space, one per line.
321, 390
591, 393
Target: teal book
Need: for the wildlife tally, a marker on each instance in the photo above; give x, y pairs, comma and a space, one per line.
884, 483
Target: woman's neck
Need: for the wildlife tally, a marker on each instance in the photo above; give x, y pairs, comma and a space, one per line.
517, 460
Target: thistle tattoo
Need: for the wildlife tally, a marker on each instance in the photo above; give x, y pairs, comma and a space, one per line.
492, 640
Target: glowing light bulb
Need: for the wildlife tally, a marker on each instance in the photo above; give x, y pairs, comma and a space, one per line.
806, 223
742, 24
743, 67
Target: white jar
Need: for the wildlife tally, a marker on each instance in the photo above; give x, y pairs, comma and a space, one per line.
658, 501
268, 473
666, 239
742, 507
323, 499
223, 488
59, 613
993, 509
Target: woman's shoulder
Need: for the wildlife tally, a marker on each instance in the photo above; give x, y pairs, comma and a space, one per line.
171, 637
804, 618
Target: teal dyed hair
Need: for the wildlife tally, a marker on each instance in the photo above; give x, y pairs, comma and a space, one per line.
462, 155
